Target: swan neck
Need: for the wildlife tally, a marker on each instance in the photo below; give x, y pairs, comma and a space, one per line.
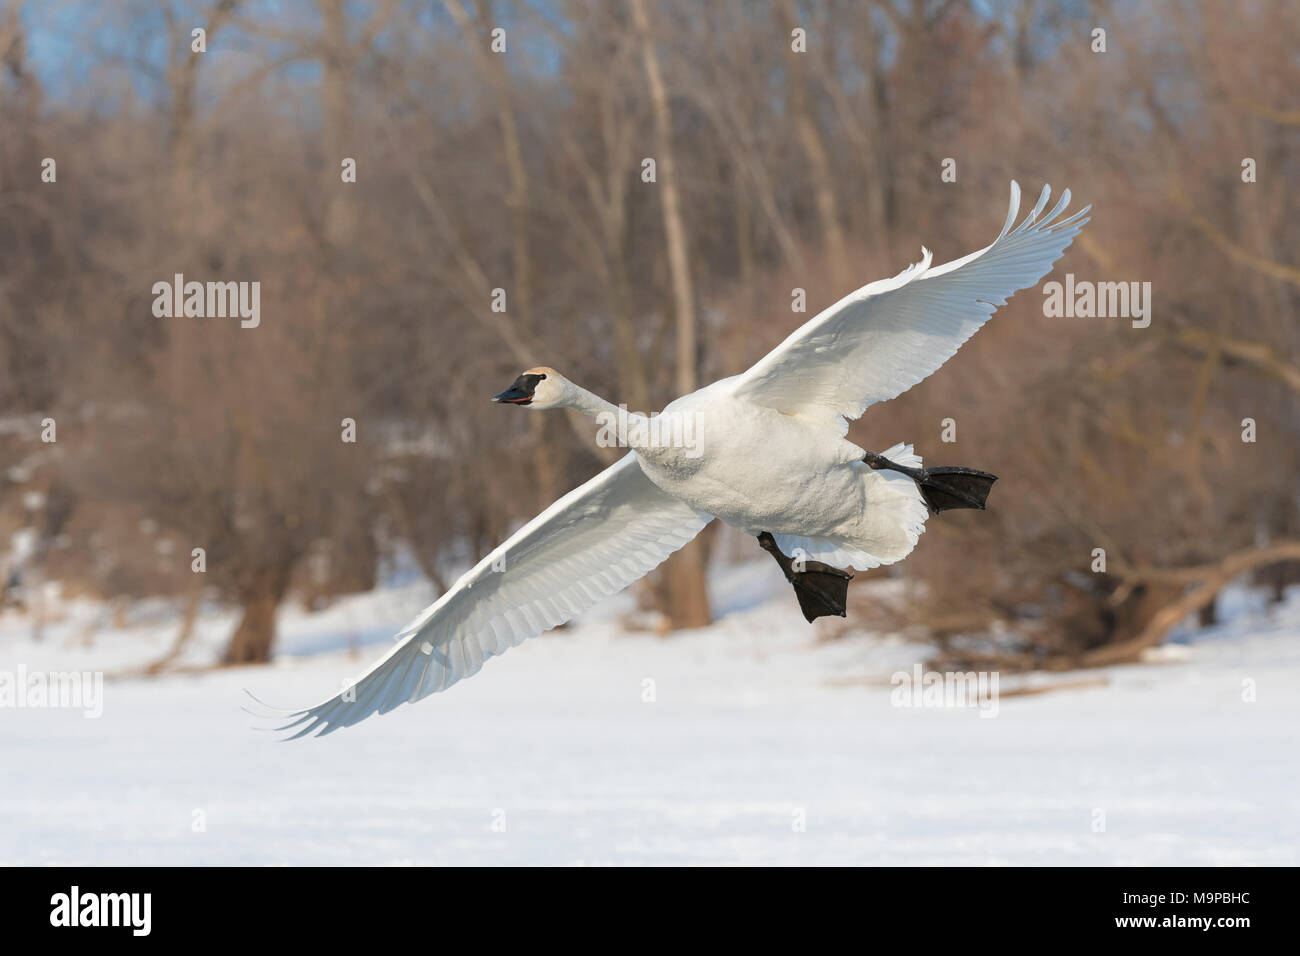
589, 403
619, 428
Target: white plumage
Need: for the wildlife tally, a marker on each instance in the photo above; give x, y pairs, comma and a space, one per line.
771, 457
592, 543
881, 340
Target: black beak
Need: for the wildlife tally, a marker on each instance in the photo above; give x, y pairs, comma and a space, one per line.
514, 395
521, 392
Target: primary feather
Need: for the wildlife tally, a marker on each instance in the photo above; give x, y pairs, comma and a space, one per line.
593, 542
881, 340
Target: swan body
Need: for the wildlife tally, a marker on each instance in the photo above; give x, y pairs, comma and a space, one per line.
769, 457
787, 474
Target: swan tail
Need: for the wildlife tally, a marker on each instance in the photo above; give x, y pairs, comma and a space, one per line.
896, 510
892, 520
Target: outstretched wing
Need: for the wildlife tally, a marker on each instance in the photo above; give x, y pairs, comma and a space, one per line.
594, 541
881, 340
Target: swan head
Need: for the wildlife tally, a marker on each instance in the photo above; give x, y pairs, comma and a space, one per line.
540, 387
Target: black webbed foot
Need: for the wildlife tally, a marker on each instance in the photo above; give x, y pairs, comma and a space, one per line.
950, 486
944, 487
821, 589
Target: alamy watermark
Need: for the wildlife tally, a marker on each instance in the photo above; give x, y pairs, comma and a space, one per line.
129, 910
69, 690
624, 429
1085, 299
209, 300
949, 689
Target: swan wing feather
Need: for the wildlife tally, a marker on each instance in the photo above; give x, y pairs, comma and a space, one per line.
594, 541
879, 341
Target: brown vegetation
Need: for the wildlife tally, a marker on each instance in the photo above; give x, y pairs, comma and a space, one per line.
522, 171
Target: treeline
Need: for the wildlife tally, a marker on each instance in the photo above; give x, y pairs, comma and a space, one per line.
434, 196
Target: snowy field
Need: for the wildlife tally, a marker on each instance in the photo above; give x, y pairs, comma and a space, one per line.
760, 746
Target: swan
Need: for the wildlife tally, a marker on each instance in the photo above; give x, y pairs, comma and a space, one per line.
769, 457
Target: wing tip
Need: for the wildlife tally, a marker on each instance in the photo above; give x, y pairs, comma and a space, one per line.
1051, 222
1012, 209
294, 718
271, 710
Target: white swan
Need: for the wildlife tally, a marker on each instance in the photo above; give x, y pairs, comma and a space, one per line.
768, 456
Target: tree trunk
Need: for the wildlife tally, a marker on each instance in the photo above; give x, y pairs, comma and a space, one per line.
251, 643
814, 149
1205, 583
674, 229
1208, 615
336, 64
685, 586
189, 617
683, 590
182, 82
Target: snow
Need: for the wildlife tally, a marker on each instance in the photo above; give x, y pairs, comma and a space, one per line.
554, 755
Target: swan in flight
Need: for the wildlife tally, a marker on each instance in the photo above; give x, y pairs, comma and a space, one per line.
768, 455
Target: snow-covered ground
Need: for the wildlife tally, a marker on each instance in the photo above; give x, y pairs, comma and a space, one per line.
747, 742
